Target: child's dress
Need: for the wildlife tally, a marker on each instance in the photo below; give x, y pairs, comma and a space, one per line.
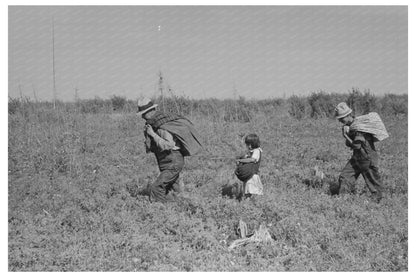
254, 185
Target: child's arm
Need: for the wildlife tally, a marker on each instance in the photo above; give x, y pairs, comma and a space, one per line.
253, 159
247, 160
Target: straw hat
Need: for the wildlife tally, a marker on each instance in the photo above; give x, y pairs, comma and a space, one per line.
144, 105
342, 110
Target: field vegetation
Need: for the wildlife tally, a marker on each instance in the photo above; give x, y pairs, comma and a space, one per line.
76, 174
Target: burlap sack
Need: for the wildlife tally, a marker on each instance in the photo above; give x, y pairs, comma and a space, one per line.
370, 123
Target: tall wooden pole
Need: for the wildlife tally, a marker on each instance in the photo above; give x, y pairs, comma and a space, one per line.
160, 84
161, 90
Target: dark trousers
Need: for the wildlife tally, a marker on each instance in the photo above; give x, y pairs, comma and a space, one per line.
352, 170
170, 165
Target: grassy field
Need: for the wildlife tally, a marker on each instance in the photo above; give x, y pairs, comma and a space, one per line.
73, 204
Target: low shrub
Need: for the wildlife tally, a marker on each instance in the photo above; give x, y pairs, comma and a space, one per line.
322, 104
14, 105
392, 104
298, 107
362, 103
236, 111
93, 106
118, 102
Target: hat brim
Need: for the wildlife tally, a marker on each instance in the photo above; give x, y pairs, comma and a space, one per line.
147, 110
344, 115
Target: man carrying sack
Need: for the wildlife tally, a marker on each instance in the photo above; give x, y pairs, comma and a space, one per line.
360, 134
170, 137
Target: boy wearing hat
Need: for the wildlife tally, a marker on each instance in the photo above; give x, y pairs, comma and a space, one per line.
170, 137
364, 159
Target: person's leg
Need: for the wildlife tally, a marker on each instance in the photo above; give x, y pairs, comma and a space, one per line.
348, 177
158, 189
239, 190
373, 181
176, 165
168, 176
371, 175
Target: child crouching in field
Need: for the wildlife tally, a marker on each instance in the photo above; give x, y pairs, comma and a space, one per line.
248, 167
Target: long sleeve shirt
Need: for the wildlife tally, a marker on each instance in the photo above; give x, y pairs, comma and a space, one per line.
362, 145
163, 141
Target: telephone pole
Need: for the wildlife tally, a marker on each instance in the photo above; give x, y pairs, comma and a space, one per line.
161, 89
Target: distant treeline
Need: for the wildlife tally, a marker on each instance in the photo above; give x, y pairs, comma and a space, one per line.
316, 105
321, 104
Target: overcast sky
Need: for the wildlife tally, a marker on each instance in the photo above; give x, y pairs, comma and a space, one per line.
207, 51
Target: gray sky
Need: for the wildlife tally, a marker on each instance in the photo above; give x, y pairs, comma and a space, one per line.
207, 51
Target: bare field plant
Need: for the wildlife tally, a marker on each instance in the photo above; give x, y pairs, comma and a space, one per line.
73, 203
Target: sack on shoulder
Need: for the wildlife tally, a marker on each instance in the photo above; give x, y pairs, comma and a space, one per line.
186, 134
370, 123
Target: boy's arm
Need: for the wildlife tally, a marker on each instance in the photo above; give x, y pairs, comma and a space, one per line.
359, 139
355, 143
345, 134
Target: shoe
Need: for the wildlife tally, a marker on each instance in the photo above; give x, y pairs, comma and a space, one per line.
179, 186
377, 197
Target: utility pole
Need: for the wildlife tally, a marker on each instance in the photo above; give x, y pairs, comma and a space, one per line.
53, 63
20, 93
161, 89
76, 94
160, 83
